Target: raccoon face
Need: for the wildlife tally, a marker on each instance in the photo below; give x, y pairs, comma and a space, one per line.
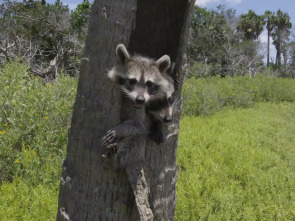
140, 91
161, 109
140, 78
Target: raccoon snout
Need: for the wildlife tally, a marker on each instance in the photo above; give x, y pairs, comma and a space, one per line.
167, 119
140, 100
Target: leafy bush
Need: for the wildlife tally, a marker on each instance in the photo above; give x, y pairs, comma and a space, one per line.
208, 96
33, 124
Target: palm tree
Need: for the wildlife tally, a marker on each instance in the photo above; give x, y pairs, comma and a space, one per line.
282, 28
251, 25
270, 17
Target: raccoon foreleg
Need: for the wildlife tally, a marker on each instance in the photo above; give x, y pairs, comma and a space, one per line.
131, 151
126, 129
156, 133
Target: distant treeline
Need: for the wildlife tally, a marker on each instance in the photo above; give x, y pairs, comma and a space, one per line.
227, 44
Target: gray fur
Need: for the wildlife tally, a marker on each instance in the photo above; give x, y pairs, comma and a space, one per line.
130, 134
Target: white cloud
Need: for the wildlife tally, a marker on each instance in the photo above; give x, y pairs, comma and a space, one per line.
263, 37
205, 2
234, 2
72, 6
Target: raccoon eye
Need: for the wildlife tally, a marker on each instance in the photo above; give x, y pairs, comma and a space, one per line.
170, 100
132, 81
150, 84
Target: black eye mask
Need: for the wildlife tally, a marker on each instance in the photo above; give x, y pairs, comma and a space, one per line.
158, 104
129, 84
152, 87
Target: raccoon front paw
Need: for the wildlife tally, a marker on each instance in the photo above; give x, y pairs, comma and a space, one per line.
157, 136
109, 137
110, 150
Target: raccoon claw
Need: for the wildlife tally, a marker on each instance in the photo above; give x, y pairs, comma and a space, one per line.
109, 137
158, 137
111, 150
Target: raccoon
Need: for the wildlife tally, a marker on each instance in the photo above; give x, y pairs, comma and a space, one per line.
143, 81
159, 113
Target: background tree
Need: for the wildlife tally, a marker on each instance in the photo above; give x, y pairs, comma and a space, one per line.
80, 17
215, 46
90, 188
291, 68
251, 25
210, 31
270, 18
281, 34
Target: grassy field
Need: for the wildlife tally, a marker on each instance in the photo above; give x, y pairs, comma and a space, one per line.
238, 165
236, 148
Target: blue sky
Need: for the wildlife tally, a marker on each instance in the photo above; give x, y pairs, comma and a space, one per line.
71, 3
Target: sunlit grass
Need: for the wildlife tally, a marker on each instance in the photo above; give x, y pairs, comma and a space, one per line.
238, 165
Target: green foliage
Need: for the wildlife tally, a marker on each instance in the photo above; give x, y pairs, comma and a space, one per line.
251, 25
33, 124
238, 165
208, 96
200, 70
209, 32
81, 15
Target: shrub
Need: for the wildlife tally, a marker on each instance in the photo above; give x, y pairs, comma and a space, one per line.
208, 96
33, 124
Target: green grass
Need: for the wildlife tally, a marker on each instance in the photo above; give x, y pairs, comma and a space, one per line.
236, 159
238, 165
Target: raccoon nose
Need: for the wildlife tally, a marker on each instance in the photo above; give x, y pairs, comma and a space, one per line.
167, 119
140, 100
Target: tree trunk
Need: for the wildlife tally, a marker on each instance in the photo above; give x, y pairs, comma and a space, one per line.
90, 188
268, 47
279, 58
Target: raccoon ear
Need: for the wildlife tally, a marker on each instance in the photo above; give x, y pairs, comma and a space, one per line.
163, 63
122, 54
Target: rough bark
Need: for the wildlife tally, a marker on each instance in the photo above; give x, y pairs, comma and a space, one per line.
90, 188
268, 47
